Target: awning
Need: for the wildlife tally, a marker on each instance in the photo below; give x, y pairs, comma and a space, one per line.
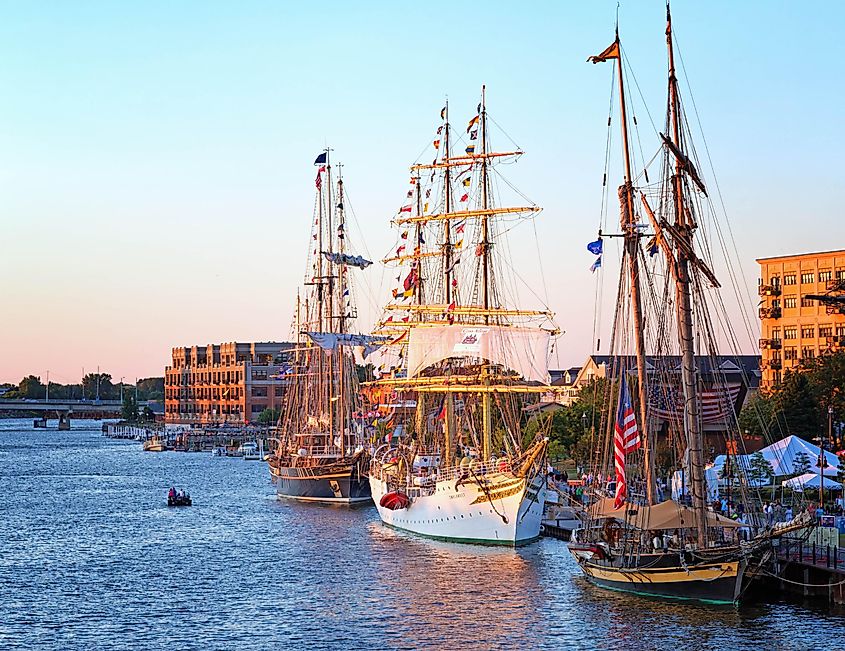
666, 515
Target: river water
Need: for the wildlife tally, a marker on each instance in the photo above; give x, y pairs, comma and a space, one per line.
90, 556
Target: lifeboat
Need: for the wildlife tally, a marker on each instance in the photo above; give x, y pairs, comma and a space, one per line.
395, 500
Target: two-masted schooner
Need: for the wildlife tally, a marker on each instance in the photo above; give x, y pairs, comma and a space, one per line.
320, 454
668, 321
459, 467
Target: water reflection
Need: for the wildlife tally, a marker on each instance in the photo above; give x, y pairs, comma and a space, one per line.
91, 556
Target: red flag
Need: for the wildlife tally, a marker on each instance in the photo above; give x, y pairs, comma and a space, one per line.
464, 197
405, 208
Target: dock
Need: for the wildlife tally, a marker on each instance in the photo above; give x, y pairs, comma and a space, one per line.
195, 439
810, 570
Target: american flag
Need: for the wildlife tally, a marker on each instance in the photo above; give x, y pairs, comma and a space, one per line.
625, 440
715, 403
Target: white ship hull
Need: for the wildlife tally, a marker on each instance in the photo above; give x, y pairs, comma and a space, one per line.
508, 512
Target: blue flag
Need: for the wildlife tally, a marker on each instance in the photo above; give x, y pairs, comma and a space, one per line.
595, 247
596, 264
321, 159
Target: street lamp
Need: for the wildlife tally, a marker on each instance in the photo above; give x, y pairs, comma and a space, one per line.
121, 390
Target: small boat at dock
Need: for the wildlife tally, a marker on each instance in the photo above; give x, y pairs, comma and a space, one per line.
155, 444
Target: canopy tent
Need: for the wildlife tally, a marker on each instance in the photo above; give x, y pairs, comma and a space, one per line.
811, 481
681, 483
666, 515
783, 453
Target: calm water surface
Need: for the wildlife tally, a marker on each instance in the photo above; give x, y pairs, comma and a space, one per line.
90, 556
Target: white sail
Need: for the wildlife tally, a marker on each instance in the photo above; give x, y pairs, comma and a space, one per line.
524, 350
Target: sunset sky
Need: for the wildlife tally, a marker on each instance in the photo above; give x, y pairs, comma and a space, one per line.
156, 158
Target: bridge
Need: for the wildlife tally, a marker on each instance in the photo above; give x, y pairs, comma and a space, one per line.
65, 406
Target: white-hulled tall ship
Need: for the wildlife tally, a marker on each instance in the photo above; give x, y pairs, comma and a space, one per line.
668, 320
459, 467
320, 454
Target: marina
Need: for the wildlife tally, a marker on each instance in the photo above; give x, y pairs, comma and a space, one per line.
213, 560
464, 394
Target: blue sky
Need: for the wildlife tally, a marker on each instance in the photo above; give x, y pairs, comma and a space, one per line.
156, 158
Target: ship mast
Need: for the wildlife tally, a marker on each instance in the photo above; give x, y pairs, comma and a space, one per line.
486, 399
341, 325
683, 294
449, 416
632, 247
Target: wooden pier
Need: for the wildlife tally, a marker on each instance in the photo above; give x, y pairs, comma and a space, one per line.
810, 570
194, 439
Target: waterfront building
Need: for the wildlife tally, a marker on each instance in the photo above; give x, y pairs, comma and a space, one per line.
793, 326
225, 383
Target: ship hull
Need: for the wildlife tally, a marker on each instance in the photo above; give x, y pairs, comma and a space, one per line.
718, 582
340, 484
507, 513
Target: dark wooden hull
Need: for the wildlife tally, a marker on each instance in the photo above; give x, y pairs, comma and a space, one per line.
717, 582
336, 483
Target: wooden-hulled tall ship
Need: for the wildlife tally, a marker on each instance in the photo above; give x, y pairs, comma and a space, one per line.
634, 538
459, 467
320, 454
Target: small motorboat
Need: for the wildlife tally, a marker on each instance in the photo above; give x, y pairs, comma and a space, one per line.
178, 499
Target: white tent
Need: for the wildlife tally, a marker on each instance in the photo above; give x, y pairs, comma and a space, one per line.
811, 481
782, 456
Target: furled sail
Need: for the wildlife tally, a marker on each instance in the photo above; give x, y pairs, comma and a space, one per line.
331, 340
524, 350
347, 259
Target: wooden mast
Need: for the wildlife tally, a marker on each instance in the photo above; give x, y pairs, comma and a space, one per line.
632, 246
449, 419
341, 324
683, 294
486, 399
419, 414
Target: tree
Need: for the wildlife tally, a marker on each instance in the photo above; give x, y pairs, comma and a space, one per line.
759, 415
269, 417
760, 471
840, 469
129, 411
798, 406
801, 464
148, 416
90, 386
31, 387
151, 388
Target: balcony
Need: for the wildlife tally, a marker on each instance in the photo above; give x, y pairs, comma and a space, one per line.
774, 364
769, 290
771, 344
837, 341
770, 312
837, 285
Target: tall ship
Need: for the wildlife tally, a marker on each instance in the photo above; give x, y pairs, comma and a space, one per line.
459, 466
320, 454
665, 385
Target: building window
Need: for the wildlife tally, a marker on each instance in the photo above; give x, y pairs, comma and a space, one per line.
826, 275
807, 352
825, 331
808, 277
808, 332
790, 301
807, 302
840, 330
776, 378
774, 281
257, 409
789, 279
790, 333
775, 333
789, 353
840, 274
776, 303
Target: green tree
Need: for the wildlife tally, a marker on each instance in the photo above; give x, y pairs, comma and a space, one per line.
106, 391
760, 471
151, 388
269, 417
148, 416
31, 387
798, 406
758, 416
801, 464
129, 411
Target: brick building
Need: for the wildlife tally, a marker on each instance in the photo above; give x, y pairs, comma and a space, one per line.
792, 326
224, 383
